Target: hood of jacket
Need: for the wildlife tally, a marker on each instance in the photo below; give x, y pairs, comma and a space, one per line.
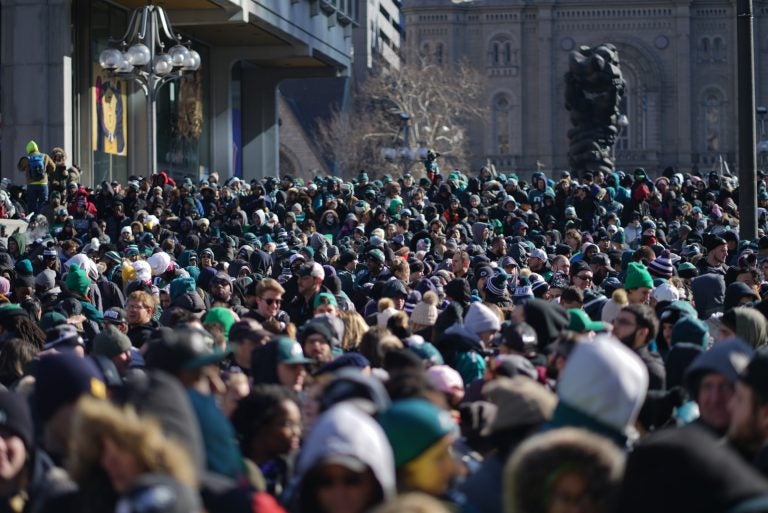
708, 294
344, 432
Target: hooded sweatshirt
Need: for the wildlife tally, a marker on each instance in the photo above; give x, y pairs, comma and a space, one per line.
343, 432
708, 294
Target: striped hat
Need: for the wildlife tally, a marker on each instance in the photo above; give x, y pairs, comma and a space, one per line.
114, 256
539, 288
132, 249
411, 301
497, 285
661, 266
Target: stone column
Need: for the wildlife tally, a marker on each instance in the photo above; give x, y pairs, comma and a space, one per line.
35, 78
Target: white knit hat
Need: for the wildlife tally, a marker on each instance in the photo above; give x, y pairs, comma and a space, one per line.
605, 380
425, 311
480, 318
666, 292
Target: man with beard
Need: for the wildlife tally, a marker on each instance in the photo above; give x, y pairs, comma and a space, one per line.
748, 406
310, 278
636, 325
221, 290
539, 263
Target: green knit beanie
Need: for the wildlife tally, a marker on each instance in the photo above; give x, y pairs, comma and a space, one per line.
413, 426
77, 280
222, 316
637, 276
32, 147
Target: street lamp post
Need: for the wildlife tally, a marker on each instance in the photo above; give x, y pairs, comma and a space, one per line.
623, 123
151, 54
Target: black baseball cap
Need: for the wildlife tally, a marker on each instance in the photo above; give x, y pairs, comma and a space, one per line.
115, 315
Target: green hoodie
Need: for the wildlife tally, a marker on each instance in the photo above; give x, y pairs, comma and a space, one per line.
21, 241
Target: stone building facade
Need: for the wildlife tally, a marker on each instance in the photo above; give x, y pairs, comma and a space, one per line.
678, 58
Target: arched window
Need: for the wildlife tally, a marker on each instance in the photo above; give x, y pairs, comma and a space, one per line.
713, 104
426, 53
501, 124
501, 52
718, 49
438, 57
705, 49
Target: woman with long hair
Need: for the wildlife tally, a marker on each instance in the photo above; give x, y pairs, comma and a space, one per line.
16, 322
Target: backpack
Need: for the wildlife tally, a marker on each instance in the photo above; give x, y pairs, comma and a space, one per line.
36, 166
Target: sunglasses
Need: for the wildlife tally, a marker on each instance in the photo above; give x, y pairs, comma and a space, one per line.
271, 301
584, 278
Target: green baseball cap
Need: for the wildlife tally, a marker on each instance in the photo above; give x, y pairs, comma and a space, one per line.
325, 298
289, 352
579, 321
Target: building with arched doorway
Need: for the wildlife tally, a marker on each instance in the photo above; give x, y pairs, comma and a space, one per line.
678, 60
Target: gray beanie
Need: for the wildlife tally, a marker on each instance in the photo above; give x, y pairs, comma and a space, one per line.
480, 318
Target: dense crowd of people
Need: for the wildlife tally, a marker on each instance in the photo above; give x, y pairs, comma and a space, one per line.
469, 342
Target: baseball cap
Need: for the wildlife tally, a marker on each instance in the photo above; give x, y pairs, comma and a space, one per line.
63, 335
538, 253
579, 321
325, 298
289, 352
604, 260
175, 350
115, 315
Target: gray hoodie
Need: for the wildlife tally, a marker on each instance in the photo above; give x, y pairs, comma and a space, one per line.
345, 432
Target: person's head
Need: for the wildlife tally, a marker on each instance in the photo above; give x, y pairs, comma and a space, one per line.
346, 466
582, 278
60, 380
482, 321
124, 446
116, 317
717, 251
310, 277
561, 471
291, 363
748, 406
711, 379
325, 303
114, 345
16, 440
221, 287
421, 436
561, 264
140, 307
638, 283
269, 297
499, 246
636, 325
317, 340
245, 336
537, 260
267, 423
571, 297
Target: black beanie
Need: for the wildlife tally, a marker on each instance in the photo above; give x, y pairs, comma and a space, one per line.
15, 416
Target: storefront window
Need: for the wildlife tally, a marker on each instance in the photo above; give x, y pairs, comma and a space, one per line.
110, 99
183, 148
